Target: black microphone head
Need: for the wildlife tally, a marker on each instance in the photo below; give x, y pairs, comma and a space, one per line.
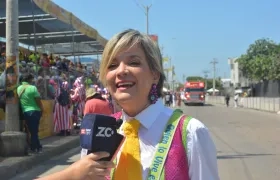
119, 123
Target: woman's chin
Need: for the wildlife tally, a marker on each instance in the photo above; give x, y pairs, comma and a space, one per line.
122, 97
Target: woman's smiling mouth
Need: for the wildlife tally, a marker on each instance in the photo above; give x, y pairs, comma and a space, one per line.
124, 85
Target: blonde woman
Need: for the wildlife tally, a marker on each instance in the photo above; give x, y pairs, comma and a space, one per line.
161, 143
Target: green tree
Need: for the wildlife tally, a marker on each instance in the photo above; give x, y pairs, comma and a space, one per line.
195, 78
261, 60
218, 84
180, 85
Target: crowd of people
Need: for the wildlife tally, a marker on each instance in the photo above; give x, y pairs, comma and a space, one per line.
173, 99
71, 103
50, 77
43, 63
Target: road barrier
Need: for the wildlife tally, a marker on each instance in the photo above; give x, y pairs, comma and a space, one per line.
258, 103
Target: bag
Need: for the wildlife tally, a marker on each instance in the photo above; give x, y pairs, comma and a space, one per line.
64, 97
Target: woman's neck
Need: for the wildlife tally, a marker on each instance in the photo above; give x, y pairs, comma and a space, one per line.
132, 110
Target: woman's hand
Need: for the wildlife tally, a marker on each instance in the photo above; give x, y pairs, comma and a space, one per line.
90, 168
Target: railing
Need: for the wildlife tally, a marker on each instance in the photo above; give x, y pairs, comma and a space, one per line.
258, 103
43, 75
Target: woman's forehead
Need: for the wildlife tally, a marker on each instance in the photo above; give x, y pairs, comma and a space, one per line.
132, 51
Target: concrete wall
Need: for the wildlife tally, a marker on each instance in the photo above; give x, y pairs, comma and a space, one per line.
258, 103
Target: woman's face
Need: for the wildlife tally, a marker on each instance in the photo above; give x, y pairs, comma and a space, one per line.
129, 78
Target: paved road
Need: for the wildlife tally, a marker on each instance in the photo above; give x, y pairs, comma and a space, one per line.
247, 141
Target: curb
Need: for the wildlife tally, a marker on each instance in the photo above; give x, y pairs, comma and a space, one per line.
11, 169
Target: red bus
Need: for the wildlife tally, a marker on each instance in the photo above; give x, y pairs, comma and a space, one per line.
194, 93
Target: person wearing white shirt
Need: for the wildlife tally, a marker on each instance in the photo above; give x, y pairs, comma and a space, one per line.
132, 71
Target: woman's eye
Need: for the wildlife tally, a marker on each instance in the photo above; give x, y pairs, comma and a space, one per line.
134, 63
112, 66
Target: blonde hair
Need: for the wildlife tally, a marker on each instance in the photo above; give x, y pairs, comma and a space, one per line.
127, 39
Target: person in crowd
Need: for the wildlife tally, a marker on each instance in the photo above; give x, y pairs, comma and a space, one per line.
62, 123
52, 86
227, 98
44, 61
174, 99
168, 99
32, 108
95, 103
131, 69
78, 96
236, 97
178, 97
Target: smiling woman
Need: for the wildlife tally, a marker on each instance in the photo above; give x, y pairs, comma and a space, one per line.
161, 143
131, 64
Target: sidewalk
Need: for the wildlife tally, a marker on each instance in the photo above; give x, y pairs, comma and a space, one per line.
52, 146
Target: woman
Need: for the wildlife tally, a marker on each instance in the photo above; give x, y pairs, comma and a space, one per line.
95, 103
61, 115
78, 95
178, 97
131, 69
52, 86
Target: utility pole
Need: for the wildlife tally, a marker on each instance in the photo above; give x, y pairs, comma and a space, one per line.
205, 72
214, 62
13, 141
184, 78
172, 77
146, 11
167, 72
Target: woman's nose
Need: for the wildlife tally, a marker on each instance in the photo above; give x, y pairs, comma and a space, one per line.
122, 69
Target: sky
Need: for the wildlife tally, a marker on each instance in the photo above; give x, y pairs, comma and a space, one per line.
191, 32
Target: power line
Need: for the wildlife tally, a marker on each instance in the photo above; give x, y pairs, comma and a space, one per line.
214, 62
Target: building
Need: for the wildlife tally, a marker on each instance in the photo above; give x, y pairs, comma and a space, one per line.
226, 83
236, 77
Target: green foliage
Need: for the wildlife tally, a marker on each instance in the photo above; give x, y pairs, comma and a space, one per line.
261, 61
195, 78
180, 85
218, 84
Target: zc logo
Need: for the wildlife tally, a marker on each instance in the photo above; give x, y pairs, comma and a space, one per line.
105, 132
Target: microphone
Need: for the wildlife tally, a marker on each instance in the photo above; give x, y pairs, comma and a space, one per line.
99, 133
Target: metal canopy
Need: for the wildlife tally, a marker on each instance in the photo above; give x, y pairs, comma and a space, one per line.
66, 49
53, 25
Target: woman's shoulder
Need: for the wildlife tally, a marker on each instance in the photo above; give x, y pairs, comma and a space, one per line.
196, 128
193, 125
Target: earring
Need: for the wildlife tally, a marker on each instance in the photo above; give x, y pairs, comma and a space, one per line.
153, 95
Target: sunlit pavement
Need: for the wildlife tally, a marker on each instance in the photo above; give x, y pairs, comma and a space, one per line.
247, 141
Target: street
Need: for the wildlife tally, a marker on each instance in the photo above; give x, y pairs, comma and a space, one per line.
247, 141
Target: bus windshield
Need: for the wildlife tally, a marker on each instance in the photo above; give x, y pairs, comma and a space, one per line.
194, 89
